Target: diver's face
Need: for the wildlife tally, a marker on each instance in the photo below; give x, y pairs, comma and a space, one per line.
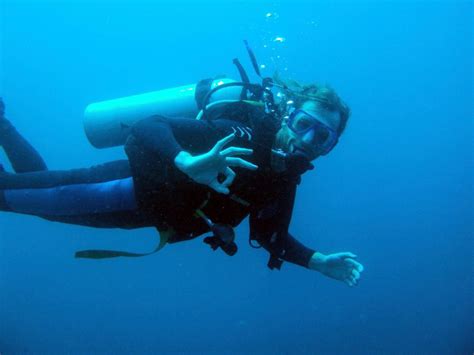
312, 130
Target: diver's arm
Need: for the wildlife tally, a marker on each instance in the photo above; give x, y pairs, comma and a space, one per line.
166, 137
338, 266
155, 134
287, 248
269, 227
162, 137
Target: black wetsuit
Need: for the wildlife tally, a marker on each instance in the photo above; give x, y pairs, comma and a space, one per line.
148, 190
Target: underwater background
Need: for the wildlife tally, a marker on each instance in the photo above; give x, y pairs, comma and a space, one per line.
397, 190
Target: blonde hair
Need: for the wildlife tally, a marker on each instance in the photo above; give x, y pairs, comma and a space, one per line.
324, 95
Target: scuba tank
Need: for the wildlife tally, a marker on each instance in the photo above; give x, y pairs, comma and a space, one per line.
107, 123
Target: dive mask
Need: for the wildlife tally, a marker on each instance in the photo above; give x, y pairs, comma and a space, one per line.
309, 127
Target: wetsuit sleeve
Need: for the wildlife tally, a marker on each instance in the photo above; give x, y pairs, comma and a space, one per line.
165, 137
156, 135
269, 227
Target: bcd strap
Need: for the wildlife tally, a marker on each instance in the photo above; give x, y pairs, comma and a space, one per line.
107, 254
243, 76
253, 59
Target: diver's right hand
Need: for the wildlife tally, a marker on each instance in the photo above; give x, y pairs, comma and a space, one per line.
206, 168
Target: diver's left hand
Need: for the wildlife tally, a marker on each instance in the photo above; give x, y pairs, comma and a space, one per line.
206, 168
339, 266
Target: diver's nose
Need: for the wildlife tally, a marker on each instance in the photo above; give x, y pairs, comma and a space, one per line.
309, 137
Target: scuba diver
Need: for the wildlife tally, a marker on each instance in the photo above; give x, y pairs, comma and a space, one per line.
189, 177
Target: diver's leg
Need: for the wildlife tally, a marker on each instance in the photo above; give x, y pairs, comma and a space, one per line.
23, 157
100, 196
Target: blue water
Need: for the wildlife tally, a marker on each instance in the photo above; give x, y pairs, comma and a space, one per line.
397, 190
